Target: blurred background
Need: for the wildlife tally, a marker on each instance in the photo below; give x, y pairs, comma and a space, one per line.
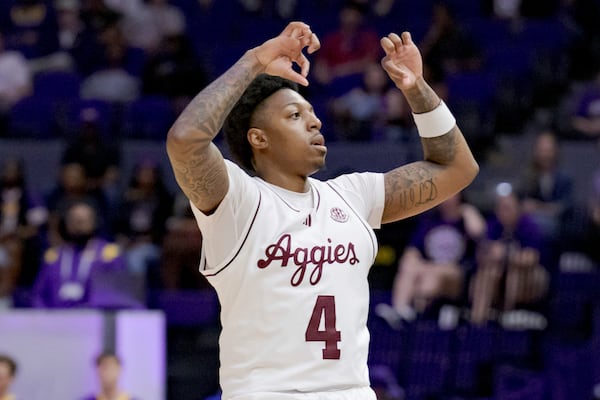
492, 295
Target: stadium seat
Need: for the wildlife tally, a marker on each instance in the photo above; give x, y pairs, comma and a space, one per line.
78, 110
148, 117
57, 84
33, 118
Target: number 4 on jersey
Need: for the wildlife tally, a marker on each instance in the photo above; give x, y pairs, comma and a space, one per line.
324, 309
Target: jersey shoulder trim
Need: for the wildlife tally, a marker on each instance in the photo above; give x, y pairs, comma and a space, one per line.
241, 245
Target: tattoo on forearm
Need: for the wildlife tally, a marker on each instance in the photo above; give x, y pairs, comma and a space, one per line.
423, 98
441, 149
410, 186
198, 169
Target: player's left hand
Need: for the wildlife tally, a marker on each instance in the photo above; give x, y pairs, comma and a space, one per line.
402, 60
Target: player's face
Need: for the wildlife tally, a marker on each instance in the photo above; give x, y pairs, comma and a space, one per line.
293, 132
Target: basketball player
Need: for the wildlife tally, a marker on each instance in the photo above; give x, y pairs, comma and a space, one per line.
288, 254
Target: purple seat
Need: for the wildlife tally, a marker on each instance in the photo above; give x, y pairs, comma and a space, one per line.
474, 349
487, 32
189, 308
33, 117
509, 60
388, 346
78, 110
471, 88
147, 118
57, 84
519, 384
429, 365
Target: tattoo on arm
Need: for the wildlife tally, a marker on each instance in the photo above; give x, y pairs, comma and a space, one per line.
198, 178
410, 186
422, 98
208, 110
441, 149
197, 163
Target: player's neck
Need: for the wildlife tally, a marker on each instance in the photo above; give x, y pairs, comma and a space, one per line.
294, 183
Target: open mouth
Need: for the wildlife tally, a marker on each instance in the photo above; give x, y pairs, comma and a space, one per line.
318, 140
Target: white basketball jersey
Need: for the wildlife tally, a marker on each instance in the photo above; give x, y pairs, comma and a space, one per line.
294, 296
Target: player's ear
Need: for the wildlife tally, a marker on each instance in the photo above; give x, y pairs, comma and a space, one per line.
257, 138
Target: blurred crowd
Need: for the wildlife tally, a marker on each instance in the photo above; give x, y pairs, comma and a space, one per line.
93, 73
120, 52
498, 63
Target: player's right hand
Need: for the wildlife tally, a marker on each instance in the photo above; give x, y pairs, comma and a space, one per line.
277, 55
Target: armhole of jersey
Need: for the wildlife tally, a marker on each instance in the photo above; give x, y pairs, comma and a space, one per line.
217, 269
202, 266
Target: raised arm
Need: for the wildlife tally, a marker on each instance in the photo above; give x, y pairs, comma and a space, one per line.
197, 163
448, 164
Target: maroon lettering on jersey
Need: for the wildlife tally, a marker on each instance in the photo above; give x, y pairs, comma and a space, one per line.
303, 257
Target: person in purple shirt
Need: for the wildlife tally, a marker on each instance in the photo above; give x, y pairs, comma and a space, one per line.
585, 120
65, 278
510, 272
437, 262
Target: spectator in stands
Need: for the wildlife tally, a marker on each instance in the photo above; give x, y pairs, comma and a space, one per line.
97, 15
346, 51
8, 370
437, 263
108, 371
73, 186
70, 25
99, 155
580, 229
545, 187
143, 211
15, 80
384, 383
518, 9
118, 78
88, 50
371, 110
510, 271
446, 48
20, 222
593, 231
382, 8
146, 23
174, 71
585, 121
32, 29
503, 9
284, 9
65, 276
180, 258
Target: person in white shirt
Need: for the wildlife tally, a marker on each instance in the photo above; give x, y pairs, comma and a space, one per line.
15, 78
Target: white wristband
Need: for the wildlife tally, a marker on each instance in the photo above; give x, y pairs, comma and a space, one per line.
436, 122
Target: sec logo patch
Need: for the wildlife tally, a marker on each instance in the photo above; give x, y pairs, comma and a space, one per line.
337, 214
